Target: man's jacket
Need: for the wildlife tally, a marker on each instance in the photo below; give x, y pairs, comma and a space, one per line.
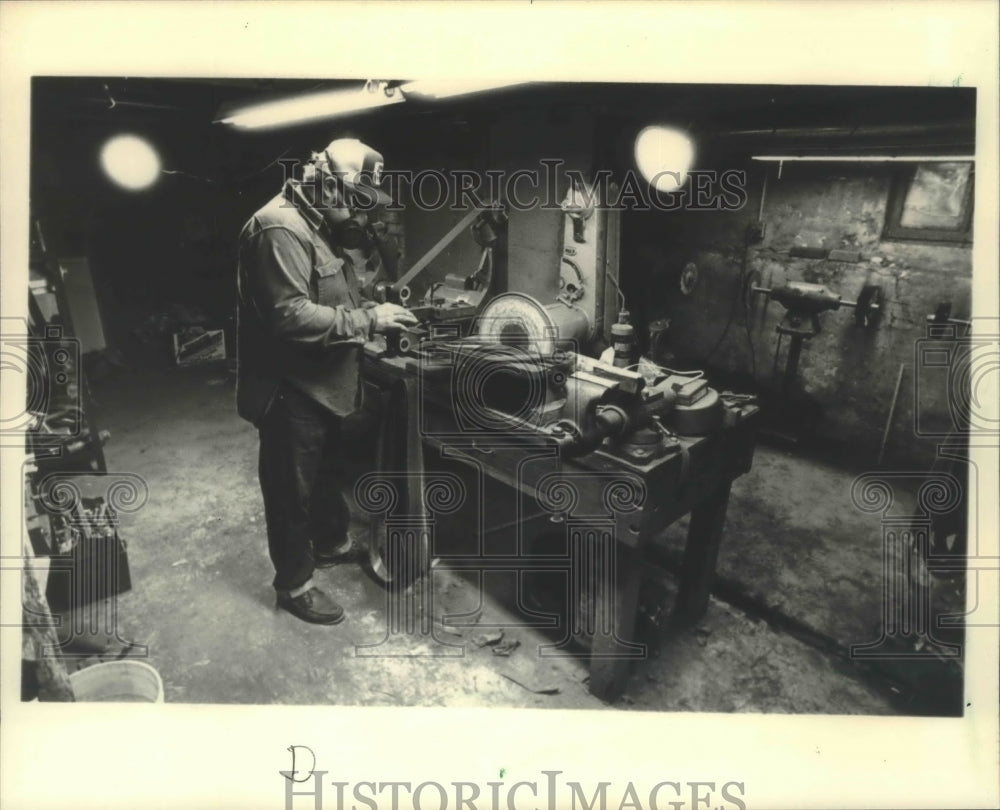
301, 318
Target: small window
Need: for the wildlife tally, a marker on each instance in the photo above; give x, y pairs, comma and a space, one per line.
931, 202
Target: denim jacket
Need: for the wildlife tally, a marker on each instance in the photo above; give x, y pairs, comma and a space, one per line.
301, 318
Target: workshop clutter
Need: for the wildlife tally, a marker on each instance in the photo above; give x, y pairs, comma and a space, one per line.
190, 335
89, 558
195, 345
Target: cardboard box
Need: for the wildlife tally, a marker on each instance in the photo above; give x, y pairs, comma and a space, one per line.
196, 345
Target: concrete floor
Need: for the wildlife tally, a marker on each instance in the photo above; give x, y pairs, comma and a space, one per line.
202, 601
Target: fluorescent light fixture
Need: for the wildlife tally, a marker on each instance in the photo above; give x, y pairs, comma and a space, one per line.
446, 88
664, 156
865, 158
130, 161
311, 107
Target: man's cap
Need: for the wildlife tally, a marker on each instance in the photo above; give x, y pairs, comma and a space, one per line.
359, 168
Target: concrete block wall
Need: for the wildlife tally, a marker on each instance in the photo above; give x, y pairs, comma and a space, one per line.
849, 372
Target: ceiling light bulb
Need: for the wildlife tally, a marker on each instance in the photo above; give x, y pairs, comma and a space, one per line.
664, 156
131, 162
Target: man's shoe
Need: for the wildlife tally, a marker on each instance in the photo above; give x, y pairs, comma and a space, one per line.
313, 606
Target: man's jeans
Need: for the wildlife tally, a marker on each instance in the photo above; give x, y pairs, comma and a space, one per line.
300, 465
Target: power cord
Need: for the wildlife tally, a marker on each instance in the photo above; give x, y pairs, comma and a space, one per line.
777, 352
746, 327
732, 309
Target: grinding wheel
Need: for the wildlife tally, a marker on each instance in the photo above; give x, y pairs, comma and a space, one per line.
518, 320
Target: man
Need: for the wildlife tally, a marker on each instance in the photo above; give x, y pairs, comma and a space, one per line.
302, 328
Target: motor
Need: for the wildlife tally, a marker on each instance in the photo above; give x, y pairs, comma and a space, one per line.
804, 302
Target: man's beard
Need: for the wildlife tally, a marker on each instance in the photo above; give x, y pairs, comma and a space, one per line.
347, 233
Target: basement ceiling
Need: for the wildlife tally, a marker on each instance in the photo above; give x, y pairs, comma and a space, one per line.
745, 108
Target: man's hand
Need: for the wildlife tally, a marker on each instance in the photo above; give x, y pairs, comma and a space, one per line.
392, 318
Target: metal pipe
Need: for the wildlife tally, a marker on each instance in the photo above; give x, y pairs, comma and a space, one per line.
438, 247
856, 133
763, 197
892, 411
792, 362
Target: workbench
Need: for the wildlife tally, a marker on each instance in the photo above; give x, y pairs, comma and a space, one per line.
611, 510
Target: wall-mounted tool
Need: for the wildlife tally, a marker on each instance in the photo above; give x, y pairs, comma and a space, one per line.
579, 206
804, 302
942, 316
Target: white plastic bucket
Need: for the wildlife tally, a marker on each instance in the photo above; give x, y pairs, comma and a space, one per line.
117, 682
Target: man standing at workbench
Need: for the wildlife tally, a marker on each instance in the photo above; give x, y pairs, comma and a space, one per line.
302, 325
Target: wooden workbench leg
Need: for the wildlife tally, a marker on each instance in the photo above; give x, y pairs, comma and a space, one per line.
616, 602
700, 556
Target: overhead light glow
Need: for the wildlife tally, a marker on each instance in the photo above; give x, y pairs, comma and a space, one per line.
131, 162
664, 156
434, 88
311, 107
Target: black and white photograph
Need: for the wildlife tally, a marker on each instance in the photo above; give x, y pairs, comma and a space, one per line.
374, 390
